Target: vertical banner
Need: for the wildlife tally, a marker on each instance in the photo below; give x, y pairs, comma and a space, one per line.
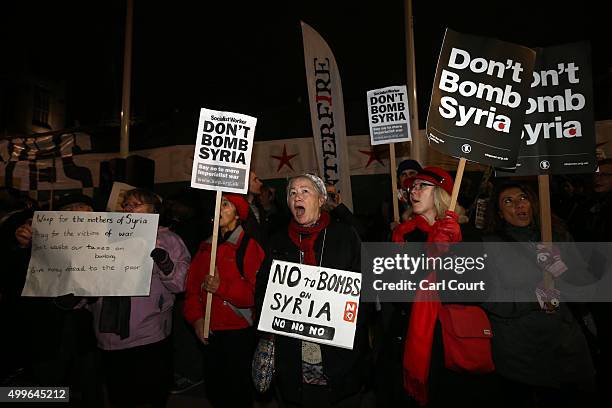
479, 99
388, 115
559, 130
327, 113
222, 156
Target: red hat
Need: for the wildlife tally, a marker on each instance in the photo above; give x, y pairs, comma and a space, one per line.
242, 206
437, 176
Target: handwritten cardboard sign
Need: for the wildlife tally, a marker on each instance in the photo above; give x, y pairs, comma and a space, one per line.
91, 254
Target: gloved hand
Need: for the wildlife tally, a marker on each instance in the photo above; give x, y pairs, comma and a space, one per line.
443, 232
162, 259
548, 298
549, 260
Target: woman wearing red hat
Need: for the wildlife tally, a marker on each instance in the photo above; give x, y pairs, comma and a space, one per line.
426, 376
230, 345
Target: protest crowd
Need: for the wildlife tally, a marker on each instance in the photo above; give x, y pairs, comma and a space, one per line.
123, 347
270, 297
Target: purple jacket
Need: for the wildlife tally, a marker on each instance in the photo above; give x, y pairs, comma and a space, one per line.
151, 316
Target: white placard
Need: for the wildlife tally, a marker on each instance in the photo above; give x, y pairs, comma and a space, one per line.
311, 303
222, 156
91, 254
388, 115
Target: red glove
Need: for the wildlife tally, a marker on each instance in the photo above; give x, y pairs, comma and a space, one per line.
446, 229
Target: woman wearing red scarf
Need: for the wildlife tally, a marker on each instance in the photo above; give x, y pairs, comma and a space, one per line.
426, 377
309, 374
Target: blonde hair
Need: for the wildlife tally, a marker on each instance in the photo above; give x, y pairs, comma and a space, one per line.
441, 201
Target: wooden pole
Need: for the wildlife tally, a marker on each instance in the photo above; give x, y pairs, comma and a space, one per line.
545, 220
416, 145
457, 185
124, 141
392, 170
213, 259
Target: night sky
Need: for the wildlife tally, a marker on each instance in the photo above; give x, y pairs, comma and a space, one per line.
247, 57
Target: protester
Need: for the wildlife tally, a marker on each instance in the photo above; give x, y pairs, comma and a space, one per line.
426, 374
337, 210
231, 342
308, 374
61, 345
592, 222
539, 350
405, 171
255, 225
133, 332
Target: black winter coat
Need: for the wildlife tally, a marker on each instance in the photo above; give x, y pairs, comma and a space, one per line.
346, 370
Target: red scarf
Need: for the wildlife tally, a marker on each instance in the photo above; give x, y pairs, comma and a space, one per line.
406, 227
305, 237
423, 316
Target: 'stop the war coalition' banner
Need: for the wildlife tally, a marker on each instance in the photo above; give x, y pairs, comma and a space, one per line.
479, 99
559, 129
222, 156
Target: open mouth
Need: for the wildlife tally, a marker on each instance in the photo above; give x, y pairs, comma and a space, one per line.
299, 210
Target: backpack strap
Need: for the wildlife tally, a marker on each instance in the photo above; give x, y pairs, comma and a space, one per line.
241, 252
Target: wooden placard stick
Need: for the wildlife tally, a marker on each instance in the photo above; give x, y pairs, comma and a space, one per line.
457, 185
393, 171
213, 259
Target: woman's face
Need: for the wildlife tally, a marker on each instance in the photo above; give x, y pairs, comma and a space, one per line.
228, 218
422, 199
515, 207
304, 201
133, 204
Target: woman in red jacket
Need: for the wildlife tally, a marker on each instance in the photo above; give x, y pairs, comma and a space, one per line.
434, 370
230, 345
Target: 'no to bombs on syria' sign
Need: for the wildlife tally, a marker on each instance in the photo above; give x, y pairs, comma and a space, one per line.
222, 157
479, 99
388, 114
311, 303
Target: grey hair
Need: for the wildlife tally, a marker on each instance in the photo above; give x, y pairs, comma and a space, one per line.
316, 181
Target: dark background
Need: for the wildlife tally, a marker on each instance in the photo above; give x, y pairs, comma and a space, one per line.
247, 57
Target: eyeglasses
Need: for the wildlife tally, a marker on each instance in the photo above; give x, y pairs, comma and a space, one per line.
420, 186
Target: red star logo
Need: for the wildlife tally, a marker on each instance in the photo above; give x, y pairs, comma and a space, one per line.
285, 159
372, 156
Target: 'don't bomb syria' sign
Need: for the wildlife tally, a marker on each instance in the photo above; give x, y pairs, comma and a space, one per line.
479, 99
222, 156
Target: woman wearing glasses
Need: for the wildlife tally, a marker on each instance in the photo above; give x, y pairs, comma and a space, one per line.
414, 342
133, 332
539, 350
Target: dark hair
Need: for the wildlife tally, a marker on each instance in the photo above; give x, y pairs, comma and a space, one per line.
146, 196
493, 221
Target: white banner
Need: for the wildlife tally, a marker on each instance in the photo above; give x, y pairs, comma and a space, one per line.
311, 303
327, 113
388, 115
274, 159
91, 254
222, 157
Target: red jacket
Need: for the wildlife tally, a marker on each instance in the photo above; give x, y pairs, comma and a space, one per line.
233, 287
